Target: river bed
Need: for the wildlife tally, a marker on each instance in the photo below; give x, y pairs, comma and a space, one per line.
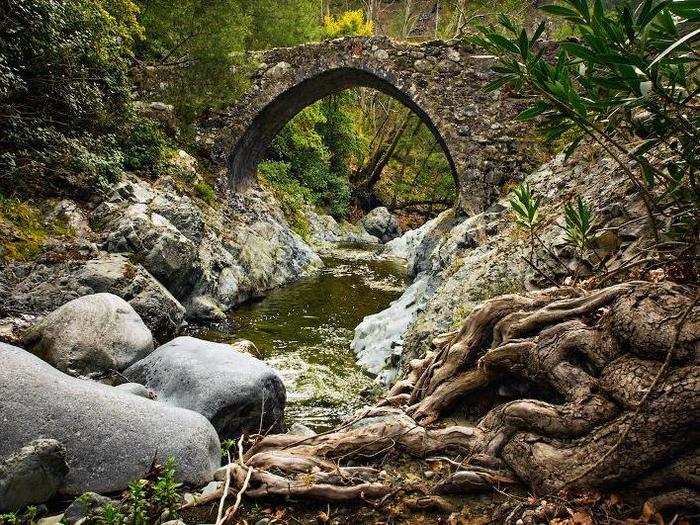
304, 331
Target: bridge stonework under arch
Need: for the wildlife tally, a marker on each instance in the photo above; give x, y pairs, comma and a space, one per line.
440, 81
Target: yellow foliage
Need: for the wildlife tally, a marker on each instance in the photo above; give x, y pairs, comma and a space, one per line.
350, 23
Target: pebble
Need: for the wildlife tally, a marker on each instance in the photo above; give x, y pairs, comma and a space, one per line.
50, 520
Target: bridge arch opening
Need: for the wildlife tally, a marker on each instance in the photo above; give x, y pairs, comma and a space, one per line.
252, 146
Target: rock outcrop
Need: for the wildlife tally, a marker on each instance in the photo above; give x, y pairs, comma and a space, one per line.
324, 230
235, 391
378, 342
32, 475
110, 437
37, 288
210, 259
467, 260
91, 335
382, 224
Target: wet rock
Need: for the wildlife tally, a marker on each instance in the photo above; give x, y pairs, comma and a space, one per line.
299, 429
235, 391
382, 224
91, 335
324, 230
31, 475
378, 336
110, 437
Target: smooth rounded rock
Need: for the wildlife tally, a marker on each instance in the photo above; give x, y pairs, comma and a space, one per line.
111, 437
235, 391
32, 474
91, 335
381, 223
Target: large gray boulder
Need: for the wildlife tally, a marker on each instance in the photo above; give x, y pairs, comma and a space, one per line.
381, 223
38, 288
110, 437
235, 391
32, 475
91, 335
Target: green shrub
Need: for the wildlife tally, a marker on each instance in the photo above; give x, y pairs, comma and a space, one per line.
64, 92
196, 45
145, 147
318, 146
628, 76
290, 194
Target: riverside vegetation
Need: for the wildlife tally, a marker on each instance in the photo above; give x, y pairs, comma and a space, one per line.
541, 367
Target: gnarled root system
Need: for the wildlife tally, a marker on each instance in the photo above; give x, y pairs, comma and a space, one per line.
611, 395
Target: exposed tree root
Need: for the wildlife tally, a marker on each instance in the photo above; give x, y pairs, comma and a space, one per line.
614, 375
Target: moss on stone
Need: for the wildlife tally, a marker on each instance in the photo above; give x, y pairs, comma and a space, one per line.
24, 230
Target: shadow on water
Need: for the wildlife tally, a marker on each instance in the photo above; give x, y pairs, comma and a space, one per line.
304, 331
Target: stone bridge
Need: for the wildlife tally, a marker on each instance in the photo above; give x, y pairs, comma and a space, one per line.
440, 81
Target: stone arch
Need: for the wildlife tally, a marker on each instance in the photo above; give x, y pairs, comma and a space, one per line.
439, 81
256, 139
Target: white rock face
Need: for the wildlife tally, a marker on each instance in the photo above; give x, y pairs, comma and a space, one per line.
380, 336
91, 335
407, 246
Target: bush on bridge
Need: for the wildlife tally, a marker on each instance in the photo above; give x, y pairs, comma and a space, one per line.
194, 48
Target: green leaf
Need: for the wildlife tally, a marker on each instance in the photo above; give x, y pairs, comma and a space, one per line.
502, 42
523, 44
677, 43
559, 10
505, 22
534, 111
538, 32
571, 147
580, 51
495, 85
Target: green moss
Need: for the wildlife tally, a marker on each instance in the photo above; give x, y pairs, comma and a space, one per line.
290, 194
205, 192
24, 229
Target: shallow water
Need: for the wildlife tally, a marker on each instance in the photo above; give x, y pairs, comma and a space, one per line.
304, 331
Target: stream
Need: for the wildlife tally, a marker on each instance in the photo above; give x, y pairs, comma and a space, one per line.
304, 331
